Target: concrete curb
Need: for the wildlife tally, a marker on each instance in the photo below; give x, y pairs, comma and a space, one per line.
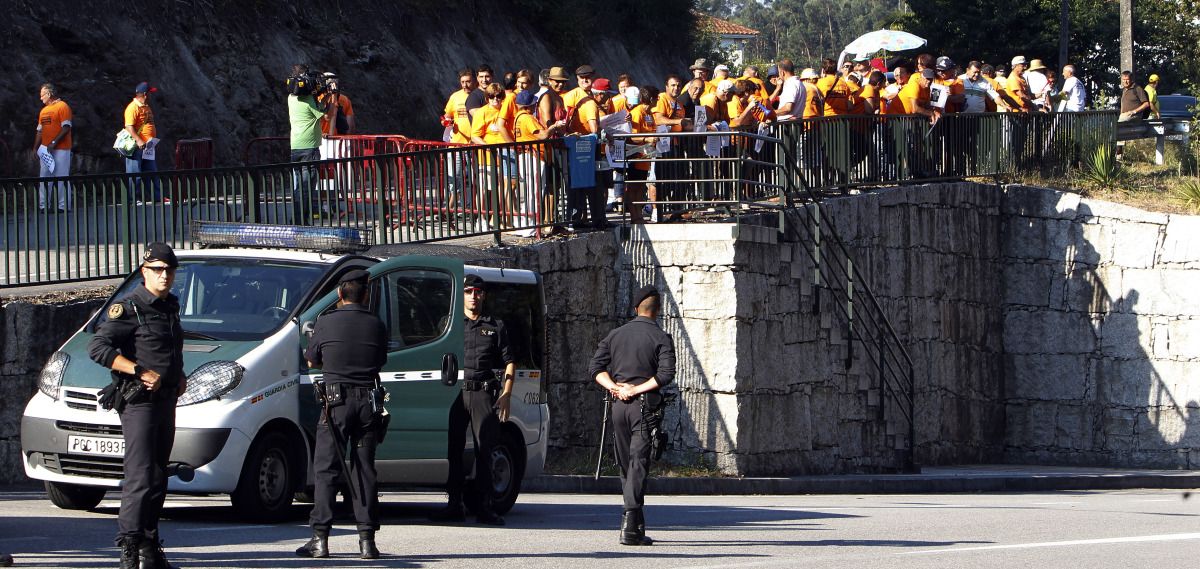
875, 484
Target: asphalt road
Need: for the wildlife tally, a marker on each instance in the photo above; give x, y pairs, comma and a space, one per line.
1152, 528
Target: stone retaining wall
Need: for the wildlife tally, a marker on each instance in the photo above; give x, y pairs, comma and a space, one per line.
29, 333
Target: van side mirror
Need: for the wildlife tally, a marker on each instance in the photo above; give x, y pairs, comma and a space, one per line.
449, 370
307, 328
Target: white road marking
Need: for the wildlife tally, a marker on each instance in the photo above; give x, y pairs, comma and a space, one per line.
1157, 500
1134, 539
1052, 503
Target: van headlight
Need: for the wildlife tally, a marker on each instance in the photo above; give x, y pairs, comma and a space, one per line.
52, 374
211, 381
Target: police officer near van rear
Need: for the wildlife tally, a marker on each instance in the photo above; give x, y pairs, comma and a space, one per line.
142, 343
634, 362
349, 344
483, 404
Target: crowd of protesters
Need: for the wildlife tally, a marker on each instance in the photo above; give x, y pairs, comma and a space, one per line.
524, 106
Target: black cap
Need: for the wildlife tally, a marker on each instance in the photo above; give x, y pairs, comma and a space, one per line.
944, 63
355, 275
160, 252
474, 281
584, 71
643, 293
929, 74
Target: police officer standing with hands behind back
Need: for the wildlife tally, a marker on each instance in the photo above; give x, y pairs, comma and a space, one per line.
633, 363
142, 343
349, 344
486, 349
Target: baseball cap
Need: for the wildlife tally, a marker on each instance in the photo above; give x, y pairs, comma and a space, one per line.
929, 74
643, 293
721, 67
773, 71
633, 95
862, 58
474, 281
584, 71
725, 86
944, 63
158, 251
808, 73
601, 85
1018, 60
144, 87
1153, 78
526, 98
355, 275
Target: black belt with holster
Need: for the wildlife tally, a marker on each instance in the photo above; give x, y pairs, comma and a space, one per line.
481, 385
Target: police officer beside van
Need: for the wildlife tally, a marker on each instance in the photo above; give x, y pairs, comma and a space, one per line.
634, 362
141, 341
349, 344
482, 405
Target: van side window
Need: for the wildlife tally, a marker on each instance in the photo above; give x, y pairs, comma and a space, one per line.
415, 305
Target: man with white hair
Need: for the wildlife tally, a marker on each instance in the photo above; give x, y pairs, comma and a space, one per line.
1073, 95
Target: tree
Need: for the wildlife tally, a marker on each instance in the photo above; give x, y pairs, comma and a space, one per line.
808, 30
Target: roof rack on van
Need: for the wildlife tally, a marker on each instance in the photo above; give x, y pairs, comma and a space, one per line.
319, 239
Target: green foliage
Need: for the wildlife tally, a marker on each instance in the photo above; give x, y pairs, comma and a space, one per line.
1187, 192
1101, 168
1166, 37
808, 30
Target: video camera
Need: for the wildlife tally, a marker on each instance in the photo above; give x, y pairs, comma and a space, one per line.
310, 83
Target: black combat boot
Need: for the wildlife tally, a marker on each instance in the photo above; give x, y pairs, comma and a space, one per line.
129, 552
366, 544
487, 515
152, 555
641, 527
318, 546
629, 534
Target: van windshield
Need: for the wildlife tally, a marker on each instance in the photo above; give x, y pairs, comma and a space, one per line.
236, 299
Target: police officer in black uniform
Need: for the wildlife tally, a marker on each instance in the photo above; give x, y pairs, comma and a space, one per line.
486, 349
142, 343
633, 363
349, 344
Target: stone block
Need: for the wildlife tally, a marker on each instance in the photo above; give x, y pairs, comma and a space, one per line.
1126, 383
1029, 201
1137, 244
1039, 239
1029, 284
1074, 428
1181, 244
1048, 332
1093, 242
1183, 337
1125, 336
775, 422
1046, 377
1091, 289
1103, 209
1162, 291
1037, 427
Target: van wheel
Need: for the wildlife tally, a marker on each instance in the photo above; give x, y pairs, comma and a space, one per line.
265, 490
507, 471
74, 496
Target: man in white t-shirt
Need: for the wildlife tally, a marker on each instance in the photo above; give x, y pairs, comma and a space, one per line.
1073, 95
791, 99
1039, 85
977, 90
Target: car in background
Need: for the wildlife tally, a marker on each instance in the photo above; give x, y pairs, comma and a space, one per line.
1177, 107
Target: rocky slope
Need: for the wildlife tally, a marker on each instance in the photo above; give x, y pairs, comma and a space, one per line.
220, 64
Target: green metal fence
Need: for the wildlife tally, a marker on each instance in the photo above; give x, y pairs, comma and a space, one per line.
437, 193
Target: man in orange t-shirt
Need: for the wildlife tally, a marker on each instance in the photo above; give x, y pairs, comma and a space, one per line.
1017, 88
54, 133
139, 122
835, 90
914, 97
344, 123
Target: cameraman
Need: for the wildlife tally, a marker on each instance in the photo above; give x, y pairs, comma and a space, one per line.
304, 116
343, 111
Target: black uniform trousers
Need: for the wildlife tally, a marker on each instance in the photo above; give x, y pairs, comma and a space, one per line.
632, 442
354, 422
148, 427
473, 409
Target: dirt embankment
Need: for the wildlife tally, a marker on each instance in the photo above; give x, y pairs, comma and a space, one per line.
220, 64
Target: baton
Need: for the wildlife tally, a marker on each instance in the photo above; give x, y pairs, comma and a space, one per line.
338, 443
603, 431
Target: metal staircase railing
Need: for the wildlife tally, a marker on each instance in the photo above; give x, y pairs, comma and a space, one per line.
858, 307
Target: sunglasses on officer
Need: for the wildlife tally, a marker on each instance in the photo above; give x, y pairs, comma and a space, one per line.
158, 269
473, 291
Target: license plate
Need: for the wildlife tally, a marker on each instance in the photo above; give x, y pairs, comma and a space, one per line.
102, 446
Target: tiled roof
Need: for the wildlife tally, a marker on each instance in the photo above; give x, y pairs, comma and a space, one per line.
723, 27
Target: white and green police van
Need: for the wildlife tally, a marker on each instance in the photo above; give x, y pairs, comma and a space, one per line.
245, 425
